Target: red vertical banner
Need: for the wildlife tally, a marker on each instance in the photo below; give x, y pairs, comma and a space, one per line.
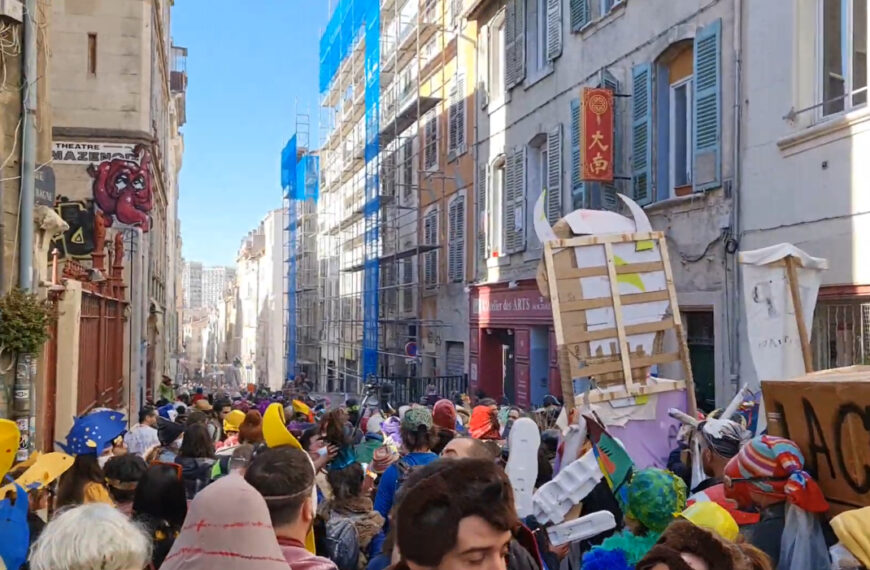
596, 135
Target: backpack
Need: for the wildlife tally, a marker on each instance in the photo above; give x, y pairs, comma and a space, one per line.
342, 542
404, 471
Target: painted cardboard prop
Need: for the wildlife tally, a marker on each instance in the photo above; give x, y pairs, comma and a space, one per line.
14, 506
276, 434
91, 434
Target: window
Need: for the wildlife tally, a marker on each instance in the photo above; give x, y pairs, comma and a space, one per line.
844, 55
92, 54
430, 142
537, 27
607, 6
430, 258
841, 334
407, 277
496, 60
538, 156
407, 167
681, 134
456, 118
456, 239
495, 230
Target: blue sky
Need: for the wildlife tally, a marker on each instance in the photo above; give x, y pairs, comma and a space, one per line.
248, 64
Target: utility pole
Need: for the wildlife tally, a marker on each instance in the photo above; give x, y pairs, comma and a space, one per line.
25, 369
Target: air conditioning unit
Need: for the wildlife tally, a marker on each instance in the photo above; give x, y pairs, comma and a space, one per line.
12, 9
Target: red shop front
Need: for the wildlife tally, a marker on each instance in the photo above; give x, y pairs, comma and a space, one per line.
512, 344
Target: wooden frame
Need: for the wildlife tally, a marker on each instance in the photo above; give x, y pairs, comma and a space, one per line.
624, 372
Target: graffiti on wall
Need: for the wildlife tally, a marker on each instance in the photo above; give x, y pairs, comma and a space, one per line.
122, 189
78, 241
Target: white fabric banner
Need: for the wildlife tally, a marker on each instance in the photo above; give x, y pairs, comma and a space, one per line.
772, 331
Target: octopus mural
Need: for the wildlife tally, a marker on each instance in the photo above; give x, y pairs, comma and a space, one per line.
122, 189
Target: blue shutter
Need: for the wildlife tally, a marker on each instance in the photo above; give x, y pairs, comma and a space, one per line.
707, 100
578, 187
641, 133
579, 14
609, 200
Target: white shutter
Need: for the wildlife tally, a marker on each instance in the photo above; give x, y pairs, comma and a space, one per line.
510, 44
554, 29
452, 121
520, 43
430, 142
515, 217
482, 205
451, 231
430, 237
554, 175
460, 113
459, 239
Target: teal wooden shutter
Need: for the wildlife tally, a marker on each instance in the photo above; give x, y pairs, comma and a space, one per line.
609, 200
578, 187
554, 175
579, 14
707, 100
554, 29
641, 133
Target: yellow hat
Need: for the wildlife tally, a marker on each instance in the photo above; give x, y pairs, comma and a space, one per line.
233, 420
853, 530
275, 431
713, 516
9, 438
44, 468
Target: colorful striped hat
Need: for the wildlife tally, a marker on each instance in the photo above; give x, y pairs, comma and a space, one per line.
773, 466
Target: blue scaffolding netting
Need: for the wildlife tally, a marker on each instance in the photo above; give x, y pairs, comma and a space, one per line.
300, 182
344, 29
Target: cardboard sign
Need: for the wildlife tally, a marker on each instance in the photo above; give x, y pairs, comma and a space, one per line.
827, 414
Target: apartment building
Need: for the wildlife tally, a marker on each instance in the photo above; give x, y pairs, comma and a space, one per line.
192, 279
804, 169
118, 101
671, 68
215, 281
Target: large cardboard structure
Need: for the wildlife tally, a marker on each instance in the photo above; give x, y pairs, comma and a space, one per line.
827, 414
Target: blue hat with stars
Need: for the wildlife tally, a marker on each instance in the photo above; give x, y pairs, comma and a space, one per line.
94, 432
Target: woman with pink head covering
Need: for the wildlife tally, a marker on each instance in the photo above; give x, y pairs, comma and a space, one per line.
227, 528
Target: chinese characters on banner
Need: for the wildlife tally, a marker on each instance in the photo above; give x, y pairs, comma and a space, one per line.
596, 135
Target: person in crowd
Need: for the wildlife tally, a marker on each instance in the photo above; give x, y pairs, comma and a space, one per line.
211, 422
467, 447
285, 479
90, 437
236, 462
232, 422
143, 436
222, 408
314, 443
484, 422
122, 476
170, 435
251, 428
720, 441
373, 439
458, 514
852, 550
768, 474
165, 391
227, 527
653, 498
196, 458
160, 505
351, 490
686, 546
91, 537
382, 459
417, 440
198, 394
444, 419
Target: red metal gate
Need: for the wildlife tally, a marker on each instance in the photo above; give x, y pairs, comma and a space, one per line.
101, 352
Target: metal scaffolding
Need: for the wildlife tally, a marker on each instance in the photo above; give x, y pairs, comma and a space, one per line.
371, 241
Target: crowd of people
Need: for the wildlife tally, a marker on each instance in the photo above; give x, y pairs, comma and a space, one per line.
271, 480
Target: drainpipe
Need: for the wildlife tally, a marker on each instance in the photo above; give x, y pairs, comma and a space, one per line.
736, 190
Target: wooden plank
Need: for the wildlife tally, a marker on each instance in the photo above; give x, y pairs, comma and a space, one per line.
581, 272
621, 338
567, 380
636, 362
600, 302
599, 396
682, 346
791, 273
601, 334
607, 238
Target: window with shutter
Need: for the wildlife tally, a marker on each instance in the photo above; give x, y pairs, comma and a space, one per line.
520, 53
707, 170
456, 233
609, 199
408, 167
554, 29
482, 250
641, 130
578, 187
460, 113
515, 217
430, 237
388, 174
510, 43
554, 175
453, 122
579, 14
430, 142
